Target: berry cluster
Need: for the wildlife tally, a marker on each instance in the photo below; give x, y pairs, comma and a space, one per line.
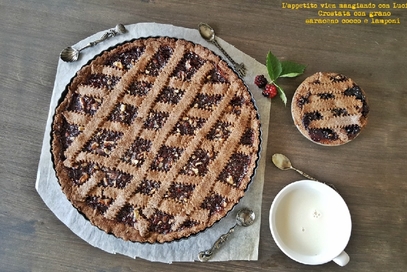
269, 89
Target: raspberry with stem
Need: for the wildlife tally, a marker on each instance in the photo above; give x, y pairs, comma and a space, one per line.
270, 90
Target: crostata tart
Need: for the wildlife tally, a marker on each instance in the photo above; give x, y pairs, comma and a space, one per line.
155, 139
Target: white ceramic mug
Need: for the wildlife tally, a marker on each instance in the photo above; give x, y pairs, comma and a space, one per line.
311, 223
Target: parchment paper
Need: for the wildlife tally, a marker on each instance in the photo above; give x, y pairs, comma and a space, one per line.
242, 244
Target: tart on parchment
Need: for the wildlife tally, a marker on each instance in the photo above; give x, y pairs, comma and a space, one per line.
329, 109
155, 139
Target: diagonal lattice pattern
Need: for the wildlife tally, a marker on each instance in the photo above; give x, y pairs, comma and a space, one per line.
155, 140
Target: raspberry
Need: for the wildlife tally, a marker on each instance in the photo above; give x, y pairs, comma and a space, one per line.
260, 81
270, 90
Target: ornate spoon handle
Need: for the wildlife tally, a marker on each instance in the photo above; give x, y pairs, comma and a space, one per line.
111, 33
215, 42
305, 174
205, 255
241, 69
314, 179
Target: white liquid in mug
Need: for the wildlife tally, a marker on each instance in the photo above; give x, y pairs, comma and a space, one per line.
310, 222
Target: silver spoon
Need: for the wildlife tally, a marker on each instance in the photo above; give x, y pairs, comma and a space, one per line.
70, 54
245, 217
208, 33
283, 163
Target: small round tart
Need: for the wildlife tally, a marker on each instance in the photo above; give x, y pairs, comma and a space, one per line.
329, 109
155, 139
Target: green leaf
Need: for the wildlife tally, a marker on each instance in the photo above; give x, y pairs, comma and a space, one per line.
281, 93
273, 66
291, 69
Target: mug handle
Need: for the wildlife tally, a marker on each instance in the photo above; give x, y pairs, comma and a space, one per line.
342, 259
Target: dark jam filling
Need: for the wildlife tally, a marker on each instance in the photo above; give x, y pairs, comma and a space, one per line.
358, 94
156, 120
311, 116
126, 215
170, 95
304, 99
102, 81
235, 105
165, 158
137, 152
352, 130
188, 125
127, 59
220, 131
236, 169
206, 102
188, 66
100, 204
320, 134
180, 192
161, 222
148, 187
247, 137
158, 61
79, 174
139, 88
214, 203
112, 178
115, 178
215, 76
68, 133
85, 104
103, 142
187, 224
326, 96
123, 113
197, 164
338, 112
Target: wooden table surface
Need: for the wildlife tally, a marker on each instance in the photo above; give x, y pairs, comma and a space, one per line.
370, 172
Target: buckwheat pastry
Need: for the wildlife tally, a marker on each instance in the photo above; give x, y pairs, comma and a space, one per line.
155, 139
329, 109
